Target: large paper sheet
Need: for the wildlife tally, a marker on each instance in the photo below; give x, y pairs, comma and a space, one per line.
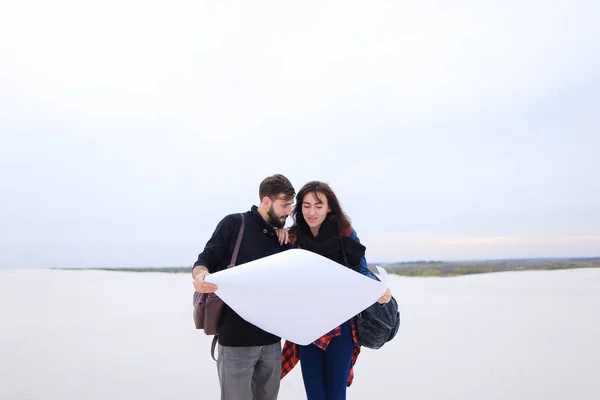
296, 294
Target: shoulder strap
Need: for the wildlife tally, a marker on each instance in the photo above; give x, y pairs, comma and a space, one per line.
212, 347
237, 243
347, 231
231, 264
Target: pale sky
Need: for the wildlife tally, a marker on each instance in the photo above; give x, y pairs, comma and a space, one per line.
449, 130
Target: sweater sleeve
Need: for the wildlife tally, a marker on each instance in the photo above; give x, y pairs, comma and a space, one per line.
363, 267
218, 246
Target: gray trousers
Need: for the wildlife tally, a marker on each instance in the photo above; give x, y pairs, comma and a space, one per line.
249, 373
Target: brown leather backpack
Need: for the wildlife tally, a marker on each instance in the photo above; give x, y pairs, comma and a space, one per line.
208, 306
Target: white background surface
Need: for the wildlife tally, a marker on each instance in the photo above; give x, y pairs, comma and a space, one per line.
96, 335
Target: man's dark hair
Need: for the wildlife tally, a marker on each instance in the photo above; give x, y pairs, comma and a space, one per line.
274, 186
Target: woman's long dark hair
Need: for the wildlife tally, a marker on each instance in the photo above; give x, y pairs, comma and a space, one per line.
318, 189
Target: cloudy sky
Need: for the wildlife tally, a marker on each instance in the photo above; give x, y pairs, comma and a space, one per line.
450, 130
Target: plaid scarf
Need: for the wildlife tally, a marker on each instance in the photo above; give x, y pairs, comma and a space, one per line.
290, 355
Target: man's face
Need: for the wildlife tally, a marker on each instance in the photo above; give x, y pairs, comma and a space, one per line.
280, 209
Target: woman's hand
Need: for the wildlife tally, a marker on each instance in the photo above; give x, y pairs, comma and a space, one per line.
283, 235
386, 297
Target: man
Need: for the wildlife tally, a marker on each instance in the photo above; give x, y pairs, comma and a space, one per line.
249, 359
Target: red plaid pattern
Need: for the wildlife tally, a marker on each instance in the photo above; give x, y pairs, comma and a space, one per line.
290, 356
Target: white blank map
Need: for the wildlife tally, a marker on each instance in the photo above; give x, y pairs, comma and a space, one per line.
296, 294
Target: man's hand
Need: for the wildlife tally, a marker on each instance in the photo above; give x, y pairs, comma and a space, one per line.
386, 297
201, 286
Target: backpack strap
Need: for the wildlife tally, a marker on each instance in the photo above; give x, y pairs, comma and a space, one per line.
347, 231
236, 250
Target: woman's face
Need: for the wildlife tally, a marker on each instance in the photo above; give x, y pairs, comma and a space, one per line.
314, 210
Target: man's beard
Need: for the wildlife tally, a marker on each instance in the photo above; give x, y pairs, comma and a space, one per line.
276, 220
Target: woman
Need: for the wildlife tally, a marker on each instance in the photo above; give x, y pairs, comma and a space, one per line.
321, 226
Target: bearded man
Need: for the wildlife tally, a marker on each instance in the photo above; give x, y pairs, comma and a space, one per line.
249, 359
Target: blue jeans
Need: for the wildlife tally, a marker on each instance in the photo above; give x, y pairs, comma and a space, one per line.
325, 373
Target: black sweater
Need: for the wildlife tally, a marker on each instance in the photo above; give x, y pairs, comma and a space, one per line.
259, 240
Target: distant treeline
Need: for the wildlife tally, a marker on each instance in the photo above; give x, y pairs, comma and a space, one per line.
441, 268
430, 268
172, 270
